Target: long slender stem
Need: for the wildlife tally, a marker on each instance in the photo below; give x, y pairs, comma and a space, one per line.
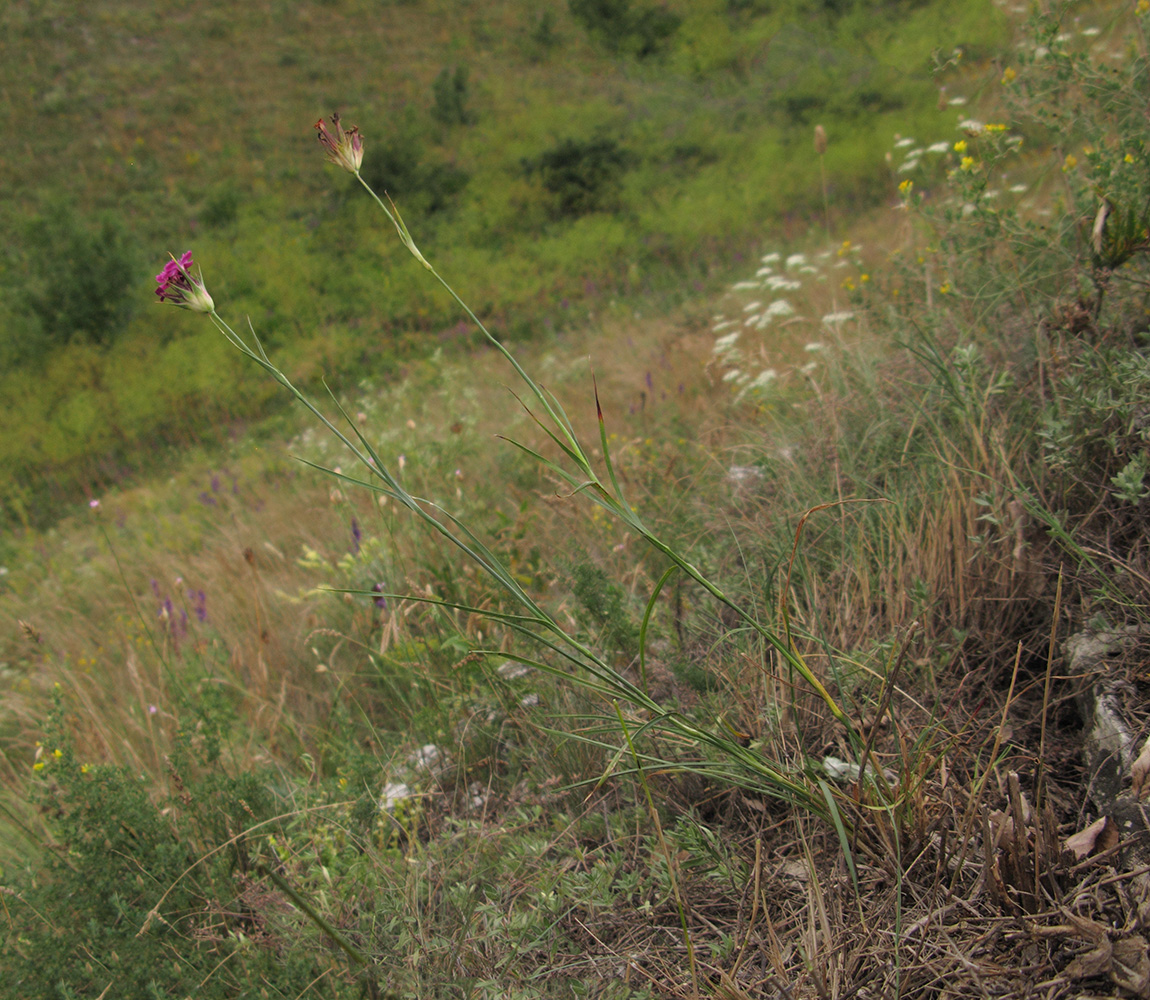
600, 491
536, 623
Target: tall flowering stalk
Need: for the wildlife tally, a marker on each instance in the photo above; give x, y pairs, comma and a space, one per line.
730, 760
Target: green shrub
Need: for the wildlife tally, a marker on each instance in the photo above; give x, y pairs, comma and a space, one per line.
543, 33
603, 606
452, 93
582, 175
155, 897
399, 166
621, 27
221, 207
79, 273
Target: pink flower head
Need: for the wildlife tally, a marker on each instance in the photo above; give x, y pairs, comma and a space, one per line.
344, 149
179, 287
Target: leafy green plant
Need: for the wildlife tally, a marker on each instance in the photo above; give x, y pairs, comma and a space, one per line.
153, 897
542, 32
582, 175
620, 26
604, 610
404, 169
79, 272
452, 93
221, 206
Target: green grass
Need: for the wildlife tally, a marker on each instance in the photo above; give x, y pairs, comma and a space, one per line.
213, 150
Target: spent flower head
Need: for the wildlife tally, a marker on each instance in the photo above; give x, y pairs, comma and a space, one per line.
344, 149
179, 287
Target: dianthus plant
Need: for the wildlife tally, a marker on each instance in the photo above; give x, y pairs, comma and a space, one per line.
715, 750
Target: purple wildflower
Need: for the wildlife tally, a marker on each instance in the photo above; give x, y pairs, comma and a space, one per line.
344, 149
356, 537
381, 601
179, 287
199, 604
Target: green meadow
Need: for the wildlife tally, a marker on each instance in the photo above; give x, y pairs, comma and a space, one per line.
684, 536
551, 168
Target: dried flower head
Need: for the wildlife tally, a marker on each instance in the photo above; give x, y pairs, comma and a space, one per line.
820, 140
179, 287
344, 149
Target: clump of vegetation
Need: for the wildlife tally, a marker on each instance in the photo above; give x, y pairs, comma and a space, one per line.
605, 610
78, 276
583, 175
452, 94
621, 26
405, 170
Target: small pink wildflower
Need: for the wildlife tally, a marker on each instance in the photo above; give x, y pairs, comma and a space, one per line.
179, 287
344, 149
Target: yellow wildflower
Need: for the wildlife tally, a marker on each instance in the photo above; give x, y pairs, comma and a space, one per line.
960, 146
1128, 158
1008, 75
905, 187
995, 127
967, 163
85, 768
1071, 160
1142, 6
944, 289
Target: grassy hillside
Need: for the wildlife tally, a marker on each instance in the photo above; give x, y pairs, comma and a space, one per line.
798, 649
553, 163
